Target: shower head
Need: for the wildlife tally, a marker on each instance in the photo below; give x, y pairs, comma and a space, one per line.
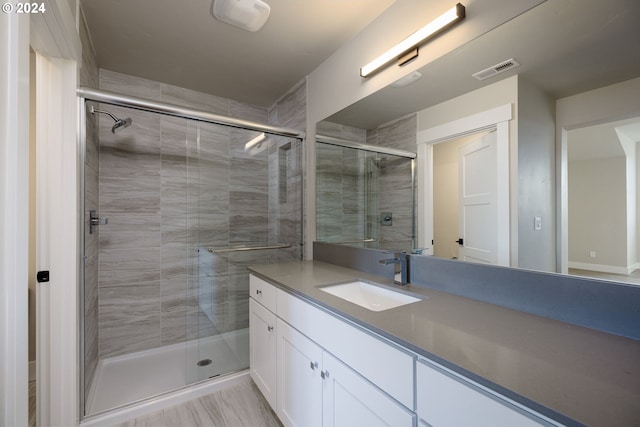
124, 123
380, 162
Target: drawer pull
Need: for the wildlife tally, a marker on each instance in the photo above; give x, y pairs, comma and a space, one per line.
269, 328
313, 365
324, 374
258, 292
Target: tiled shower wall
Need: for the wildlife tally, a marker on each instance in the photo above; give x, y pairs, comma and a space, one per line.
88, 76
342, 192
170, 187
340, 200
395, 180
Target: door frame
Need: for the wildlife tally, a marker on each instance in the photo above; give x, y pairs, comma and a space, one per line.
497, 118
14, 213
606, 104
53, 34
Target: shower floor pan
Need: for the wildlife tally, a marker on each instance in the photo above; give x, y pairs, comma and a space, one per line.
129, 378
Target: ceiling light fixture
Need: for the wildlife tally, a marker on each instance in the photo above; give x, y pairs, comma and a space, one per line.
407, 49
407, 80
249, 15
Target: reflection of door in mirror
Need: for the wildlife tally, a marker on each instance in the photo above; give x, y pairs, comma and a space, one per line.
478, 187
450, 221
602, 200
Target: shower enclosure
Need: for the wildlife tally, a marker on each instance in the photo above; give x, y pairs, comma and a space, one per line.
364, 195
176, 206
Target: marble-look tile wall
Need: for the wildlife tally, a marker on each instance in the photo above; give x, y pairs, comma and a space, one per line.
343, 212
172, 188
88, 76
286, 175
395, 180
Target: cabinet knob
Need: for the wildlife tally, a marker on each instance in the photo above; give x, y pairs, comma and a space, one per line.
313, 365
269, 328
258, 292
324, 374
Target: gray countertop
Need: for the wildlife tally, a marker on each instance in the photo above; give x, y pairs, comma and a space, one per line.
556, 368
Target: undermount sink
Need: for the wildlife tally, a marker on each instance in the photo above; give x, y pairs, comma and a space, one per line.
369, 296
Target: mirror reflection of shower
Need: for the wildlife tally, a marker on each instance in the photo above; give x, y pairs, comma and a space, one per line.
124, 123
255, 145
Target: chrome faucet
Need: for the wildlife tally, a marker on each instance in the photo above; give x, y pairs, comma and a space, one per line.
402, 260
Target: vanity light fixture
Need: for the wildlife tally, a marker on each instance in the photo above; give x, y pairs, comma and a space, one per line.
249, 15
407, 49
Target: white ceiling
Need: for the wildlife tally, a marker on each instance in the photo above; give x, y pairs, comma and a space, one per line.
180, 43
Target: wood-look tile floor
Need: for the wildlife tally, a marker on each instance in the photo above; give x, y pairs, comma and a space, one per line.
239, 406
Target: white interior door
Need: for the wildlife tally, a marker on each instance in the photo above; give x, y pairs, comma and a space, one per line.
478, 188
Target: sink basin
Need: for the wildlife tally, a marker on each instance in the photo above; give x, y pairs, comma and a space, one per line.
369, 296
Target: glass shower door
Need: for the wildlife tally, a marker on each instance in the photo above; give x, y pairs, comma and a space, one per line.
364, 198
244, 203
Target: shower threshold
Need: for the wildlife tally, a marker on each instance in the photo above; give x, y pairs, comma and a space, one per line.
129, 378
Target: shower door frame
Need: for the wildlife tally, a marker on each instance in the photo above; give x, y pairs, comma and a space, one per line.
340, 142
88, 94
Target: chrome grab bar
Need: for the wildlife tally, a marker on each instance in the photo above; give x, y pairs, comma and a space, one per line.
354, 241
245, 248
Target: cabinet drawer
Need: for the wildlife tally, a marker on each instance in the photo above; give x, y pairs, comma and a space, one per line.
447, 401
385, 365
263, 292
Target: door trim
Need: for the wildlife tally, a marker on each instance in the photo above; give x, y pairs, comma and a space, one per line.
55, 39
14, 213
58, 243
497, 118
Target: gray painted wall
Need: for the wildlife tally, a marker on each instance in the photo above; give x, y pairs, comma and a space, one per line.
536, 178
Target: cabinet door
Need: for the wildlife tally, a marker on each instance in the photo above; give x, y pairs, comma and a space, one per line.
445, 401
299, 382
351, 401
262, 356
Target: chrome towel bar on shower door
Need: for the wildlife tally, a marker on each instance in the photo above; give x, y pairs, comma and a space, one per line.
245, 248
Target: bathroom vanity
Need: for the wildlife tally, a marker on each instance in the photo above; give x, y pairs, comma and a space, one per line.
441, 360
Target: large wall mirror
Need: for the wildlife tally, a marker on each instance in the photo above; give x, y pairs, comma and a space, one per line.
587, 222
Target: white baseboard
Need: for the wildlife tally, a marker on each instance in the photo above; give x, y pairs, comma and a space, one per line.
602, 268
32, 370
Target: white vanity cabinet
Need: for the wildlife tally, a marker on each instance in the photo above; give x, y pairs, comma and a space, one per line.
262, 337
299, 379
315, 389
317, 369
447, 400
349, 400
